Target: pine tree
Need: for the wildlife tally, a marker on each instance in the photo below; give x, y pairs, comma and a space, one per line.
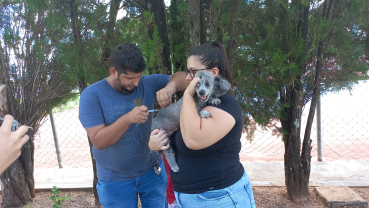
34, 81
302, 49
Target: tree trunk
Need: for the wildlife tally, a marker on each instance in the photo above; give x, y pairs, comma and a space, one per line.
114, 8
296, 177
297, 162
194, 22
16, 192
297, 167
97, 200
205, 21
158, 8
77, 40
178, 37
18, 184
94, 183
231, 43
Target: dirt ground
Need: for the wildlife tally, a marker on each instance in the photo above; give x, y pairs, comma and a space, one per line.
265, 197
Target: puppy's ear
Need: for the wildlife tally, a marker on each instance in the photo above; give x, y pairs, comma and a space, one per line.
221, 86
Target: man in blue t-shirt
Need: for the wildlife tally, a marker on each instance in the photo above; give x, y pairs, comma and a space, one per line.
120, 130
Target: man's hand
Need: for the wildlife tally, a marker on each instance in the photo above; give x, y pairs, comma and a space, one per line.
138, 114
164, 96
11, 142
158, 140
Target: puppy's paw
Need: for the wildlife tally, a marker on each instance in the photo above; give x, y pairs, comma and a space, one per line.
175, 168
215, 101
204, 114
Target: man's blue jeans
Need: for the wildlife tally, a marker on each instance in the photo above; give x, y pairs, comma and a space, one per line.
150, 187
238, 195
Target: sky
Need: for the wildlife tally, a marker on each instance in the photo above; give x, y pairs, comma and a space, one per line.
122, 12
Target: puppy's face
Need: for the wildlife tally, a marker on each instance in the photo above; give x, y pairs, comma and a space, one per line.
204, 88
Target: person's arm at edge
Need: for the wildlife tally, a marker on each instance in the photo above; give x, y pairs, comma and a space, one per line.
11, 142
177, 82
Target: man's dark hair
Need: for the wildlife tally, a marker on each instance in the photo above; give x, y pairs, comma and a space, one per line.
127, 57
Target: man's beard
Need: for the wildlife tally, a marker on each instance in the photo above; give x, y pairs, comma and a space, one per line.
122, 88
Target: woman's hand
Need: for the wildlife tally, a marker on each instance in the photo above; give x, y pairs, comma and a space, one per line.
158, 140
191, 89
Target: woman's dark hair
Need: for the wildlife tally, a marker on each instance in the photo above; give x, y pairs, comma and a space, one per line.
127, 57
213, 55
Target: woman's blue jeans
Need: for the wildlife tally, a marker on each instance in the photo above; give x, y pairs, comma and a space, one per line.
150, 187
237, 195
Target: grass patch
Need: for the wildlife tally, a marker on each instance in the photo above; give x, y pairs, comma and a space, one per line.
68, 104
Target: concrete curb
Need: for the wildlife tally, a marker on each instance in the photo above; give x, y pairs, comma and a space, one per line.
340, 197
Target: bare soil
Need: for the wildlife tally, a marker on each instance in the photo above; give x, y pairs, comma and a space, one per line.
265, 197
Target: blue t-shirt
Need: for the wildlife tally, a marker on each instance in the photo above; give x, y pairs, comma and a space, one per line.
130, 157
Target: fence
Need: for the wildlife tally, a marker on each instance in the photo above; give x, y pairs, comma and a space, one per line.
71, 137
344, 133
